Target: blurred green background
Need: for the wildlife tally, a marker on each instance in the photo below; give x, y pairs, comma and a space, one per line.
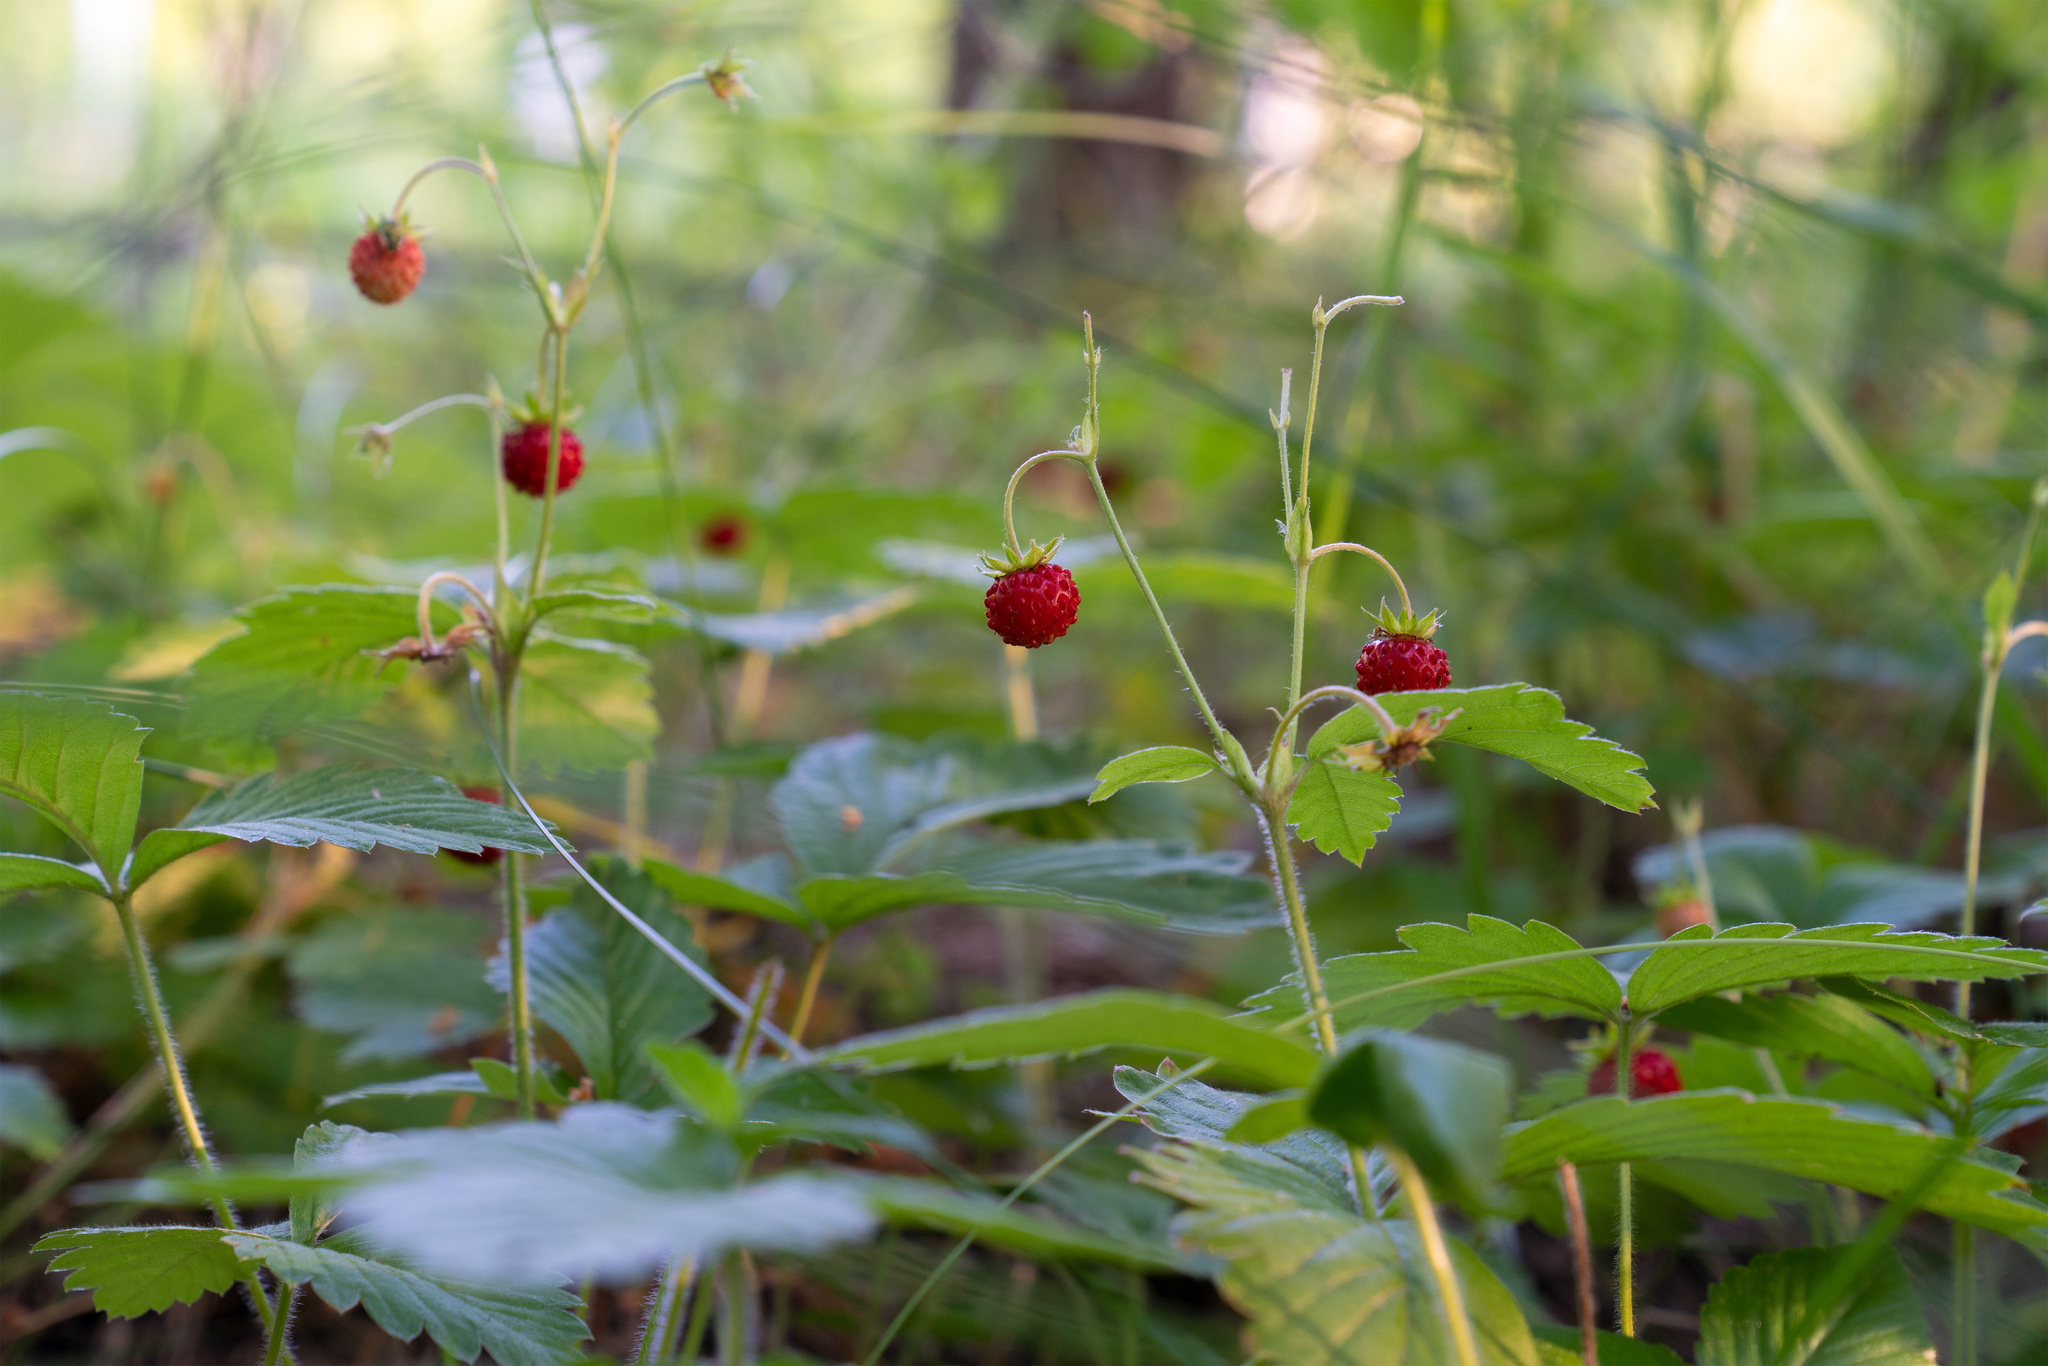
1716, 400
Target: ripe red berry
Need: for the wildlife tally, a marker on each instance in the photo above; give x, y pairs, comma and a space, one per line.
488, 856
526, 459
387, 261
1401, 663
1033, 606
724, 535
1653, 1073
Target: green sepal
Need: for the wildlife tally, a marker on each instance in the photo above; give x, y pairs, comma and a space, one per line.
1404, 622
1011, 561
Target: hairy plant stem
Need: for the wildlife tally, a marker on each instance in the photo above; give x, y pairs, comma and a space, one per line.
172, 1064
280, 1324
664, 1316
1582, 1263
519, 998
1438, 1254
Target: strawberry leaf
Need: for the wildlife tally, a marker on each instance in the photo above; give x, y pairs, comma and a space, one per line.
31, 1116
1018, 1228
78, 764
1855, 1308
30, 872
1341, 810
135, 1271
586, 704
1073, 1025
1826, 1027
1514, 719
1807, 1139
1163, 764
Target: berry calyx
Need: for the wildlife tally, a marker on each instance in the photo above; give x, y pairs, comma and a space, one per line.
725, 534
1032, 601
488, 856
1651, 1073
1400, 656
387, 261
525, 450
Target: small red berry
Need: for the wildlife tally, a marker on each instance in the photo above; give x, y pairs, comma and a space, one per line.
1033, 606
724, 535
387, 261
488, 856
526, 459
1653, 1072
1401, 663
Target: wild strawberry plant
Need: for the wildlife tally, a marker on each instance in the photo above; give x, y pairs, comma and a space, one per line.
1340, 1189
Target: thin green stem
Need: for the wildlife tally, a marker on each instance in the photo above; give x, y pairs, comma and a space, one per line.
1281, 850
1625, 1254
280, 1322
1438, 1254
700, 1319
1080, 1141
484, 169
665, 1312
1355, 548
807, 999
1380, 715
1980, 768
520, 998
1010, 494
1963, 1312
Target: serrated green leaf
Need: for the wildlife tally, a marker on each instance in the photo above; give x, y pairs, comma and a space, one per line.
586, 704
1341, 810
1514, 719
1074, 1025
301, 660
356, 808
1323, 1287
1441, 1103
1825, 1027
29, 872
438, 1084
1163, 764
518, 1326
31, 1116
501, 1081
1808, 1139
1745, 956
135, 1271
1753, 1317
608, 604
1271, 1121
1531, 969
604, 988
78, 763
607, 1190
313, 1211
844, 800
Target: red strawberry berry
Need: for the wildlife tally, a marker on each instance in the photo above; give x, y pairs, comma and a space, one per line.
488, 856
1400, 656
526, 459
724, 535
387, 261
1032, 606
1653, 1073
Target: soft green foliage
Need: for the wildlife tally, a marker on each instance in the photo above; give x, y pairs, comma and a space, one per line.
1341, 810
1162, 764
1018, 1228
1516, 720
1826, 1026
1084, 1024
584, 704
400, 983
133, 1271
1744, 956
1441, 1103
303, 660
517, 1325
604, 988
1309, 1163
77, 763
31, 1116
1770, 1312
1808, 1139
690, 1073
30, 872
1321, 1285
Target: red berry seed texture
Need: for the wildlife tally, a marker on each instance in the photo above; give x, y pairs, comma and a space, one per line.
386, 262
488, 856
1401, 663
526, 459
1654, 1073
1033, 607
